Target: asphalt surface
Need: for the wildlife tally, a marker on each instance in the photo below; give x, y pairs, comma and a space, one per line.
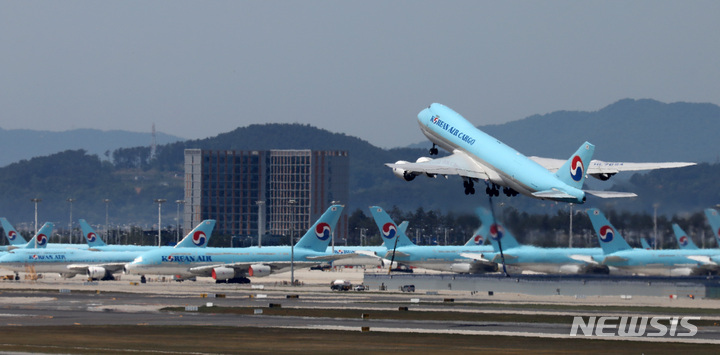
59, 302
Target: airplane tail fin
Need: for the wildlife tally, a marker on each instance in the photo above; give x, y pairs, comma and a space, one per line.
645, 244
479, 237
713, 218
91, 237
573, 171
318, 237
682, 238
14, 238
199, 236
41, 238
496, 231
610, 239
389, 230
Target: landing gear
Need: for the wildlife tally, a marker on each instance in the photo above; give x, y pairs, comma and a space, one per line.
509, 192
434, 150
492, 190
469, 187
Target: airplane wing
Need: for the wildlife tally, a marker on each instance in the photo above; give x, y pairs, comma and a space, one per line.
614, 259
603, 169
243, 267
475, 256
458, 163
389, 254
83, 268
705, 260
333, 257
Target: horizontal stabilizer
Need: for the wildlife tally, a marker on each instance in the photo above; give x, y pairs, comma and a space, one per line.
603, 167
610, 194
583, 258
334, 257
553, 194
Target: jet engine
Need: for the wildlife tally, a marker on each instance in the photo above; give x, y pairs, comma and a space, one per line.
402, 173
462, 268
259, 270
223, 273
96, 272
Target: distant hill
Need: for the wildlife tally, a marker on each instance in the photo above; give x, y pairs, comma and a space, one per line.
629, 130
18, 144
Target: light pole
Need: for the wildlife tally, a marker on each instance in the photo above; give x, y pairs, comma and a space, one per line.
571, 218
71, 200
36, 201
177, 224
107, 219
655, 235
292, 204
261, 221
160, 201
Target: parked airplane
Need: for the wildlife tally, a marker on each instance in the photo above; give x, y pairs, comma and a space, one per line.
669, 262
400, 249
478, 156
682, 238
16, 239
199, 239
235, 264
537, 259
94, 263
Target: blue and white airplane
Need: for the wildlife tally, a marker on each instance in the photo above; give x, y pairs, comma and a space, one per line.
477, 156
527, 257
432, 257
239, 263
199, 238
96, 264
684, 242
16, 240
667, 262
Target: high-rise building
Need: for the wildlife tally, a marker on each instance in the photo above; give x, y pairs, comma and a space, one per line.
294, 187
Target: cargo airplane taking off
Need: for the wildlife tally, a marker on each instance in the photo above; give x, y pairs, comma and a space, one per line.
478, 156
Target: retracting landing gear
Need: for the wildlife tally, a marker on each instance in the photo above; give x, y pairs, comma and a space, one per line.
492, 190
434, 150
469, 187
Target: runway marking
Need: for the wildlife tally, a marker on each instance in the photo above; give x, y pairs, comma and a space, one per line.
505, 333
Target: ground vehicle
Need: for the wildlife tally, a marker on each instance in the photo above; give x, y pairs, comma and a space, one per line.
407, 288
361, 288
341, 285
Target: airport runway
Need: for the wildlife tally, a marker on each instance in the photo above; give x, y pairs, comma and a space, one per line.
58, 302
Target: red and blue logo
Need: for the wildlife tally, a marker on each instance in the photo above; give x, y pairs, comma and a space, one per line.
683, 241
12, 235
91, 237
199, 238
577, 169
606, 234
478, 239
41, 240
435, 119
389, 230
323, 231
496, 232
34, 257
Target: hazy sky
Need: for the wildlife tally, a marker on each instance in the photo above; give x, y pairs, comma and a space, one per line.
364, 68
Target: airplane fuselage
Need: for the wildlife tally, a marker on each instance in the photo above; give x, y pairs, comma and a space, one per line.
504, 165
